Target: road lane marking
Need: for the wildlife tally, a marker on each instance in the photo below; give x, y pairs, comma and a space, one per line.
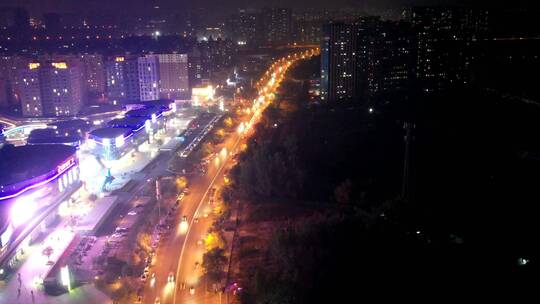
193, 217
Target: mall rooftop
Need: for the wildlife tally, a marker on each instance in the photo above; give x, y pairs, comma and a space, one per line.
110, 133
18, 164
127, 122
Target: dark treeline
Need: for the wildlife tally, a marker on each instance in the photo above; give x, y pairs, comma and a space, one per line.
469, 214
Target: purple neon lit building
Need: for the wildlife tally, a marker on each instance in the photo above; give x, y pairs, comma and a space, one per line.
32, 179
126, 134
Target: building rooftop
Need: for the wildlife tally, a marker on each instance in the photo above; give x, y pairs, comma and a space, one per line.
128, 122
21, 163
39, 133
143, 112
162, 104
72, 124
110, 132
99, 109
53, 140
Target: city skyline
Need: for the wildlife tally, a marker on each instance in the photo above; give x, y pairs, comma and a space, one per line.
243, 152
39, 7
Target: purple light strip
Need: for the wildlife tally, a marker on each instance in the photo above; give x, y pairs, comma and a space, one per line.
39, 184
130, 134
137, 130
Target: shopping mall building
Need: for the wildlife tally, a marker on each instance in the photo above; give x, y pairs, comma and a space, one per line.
34, 181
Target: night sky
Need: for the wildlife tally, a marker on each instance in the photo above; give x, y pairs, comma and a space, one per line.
37, 7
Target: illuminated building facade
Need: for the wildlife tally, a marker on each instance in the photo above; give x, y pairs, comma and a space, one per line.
94, 73
122, 79
109, 142
277, 24
52, 88
244, 28
149, 78
386, 58
30, 92
173, 75
61, 89
196, 70
369, 59
446, 41
124, 134
10, 67
33, 177
339, 68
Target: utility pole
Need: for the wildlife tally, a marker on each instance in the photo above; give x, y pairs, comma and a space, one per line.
409, 127
158, 197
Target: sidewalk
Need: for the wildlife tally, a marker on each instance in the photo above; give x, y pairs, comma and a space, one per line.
35, 268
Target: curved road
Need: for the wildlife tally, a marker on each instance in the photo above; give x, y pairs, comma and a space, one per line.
178, 253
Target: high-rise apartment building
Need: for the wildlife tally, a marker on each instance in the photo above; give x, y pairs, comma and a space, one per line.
30, 91
196, 70
10, 67
386, 57
369, 60
148, 78
51, 88
122, 79
173, 75
339, 69
94, 73
244, 28
277, 25
446, 37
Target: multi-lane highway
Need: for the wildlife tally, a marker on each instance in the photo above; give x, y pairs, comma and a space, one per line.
177, 264
180, 255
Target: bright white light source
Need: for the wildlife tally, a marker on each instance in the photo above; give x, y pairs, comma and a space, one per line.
147, 126
119, 141
64, 275
91, 143
183, 227
23, 209
523, 261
